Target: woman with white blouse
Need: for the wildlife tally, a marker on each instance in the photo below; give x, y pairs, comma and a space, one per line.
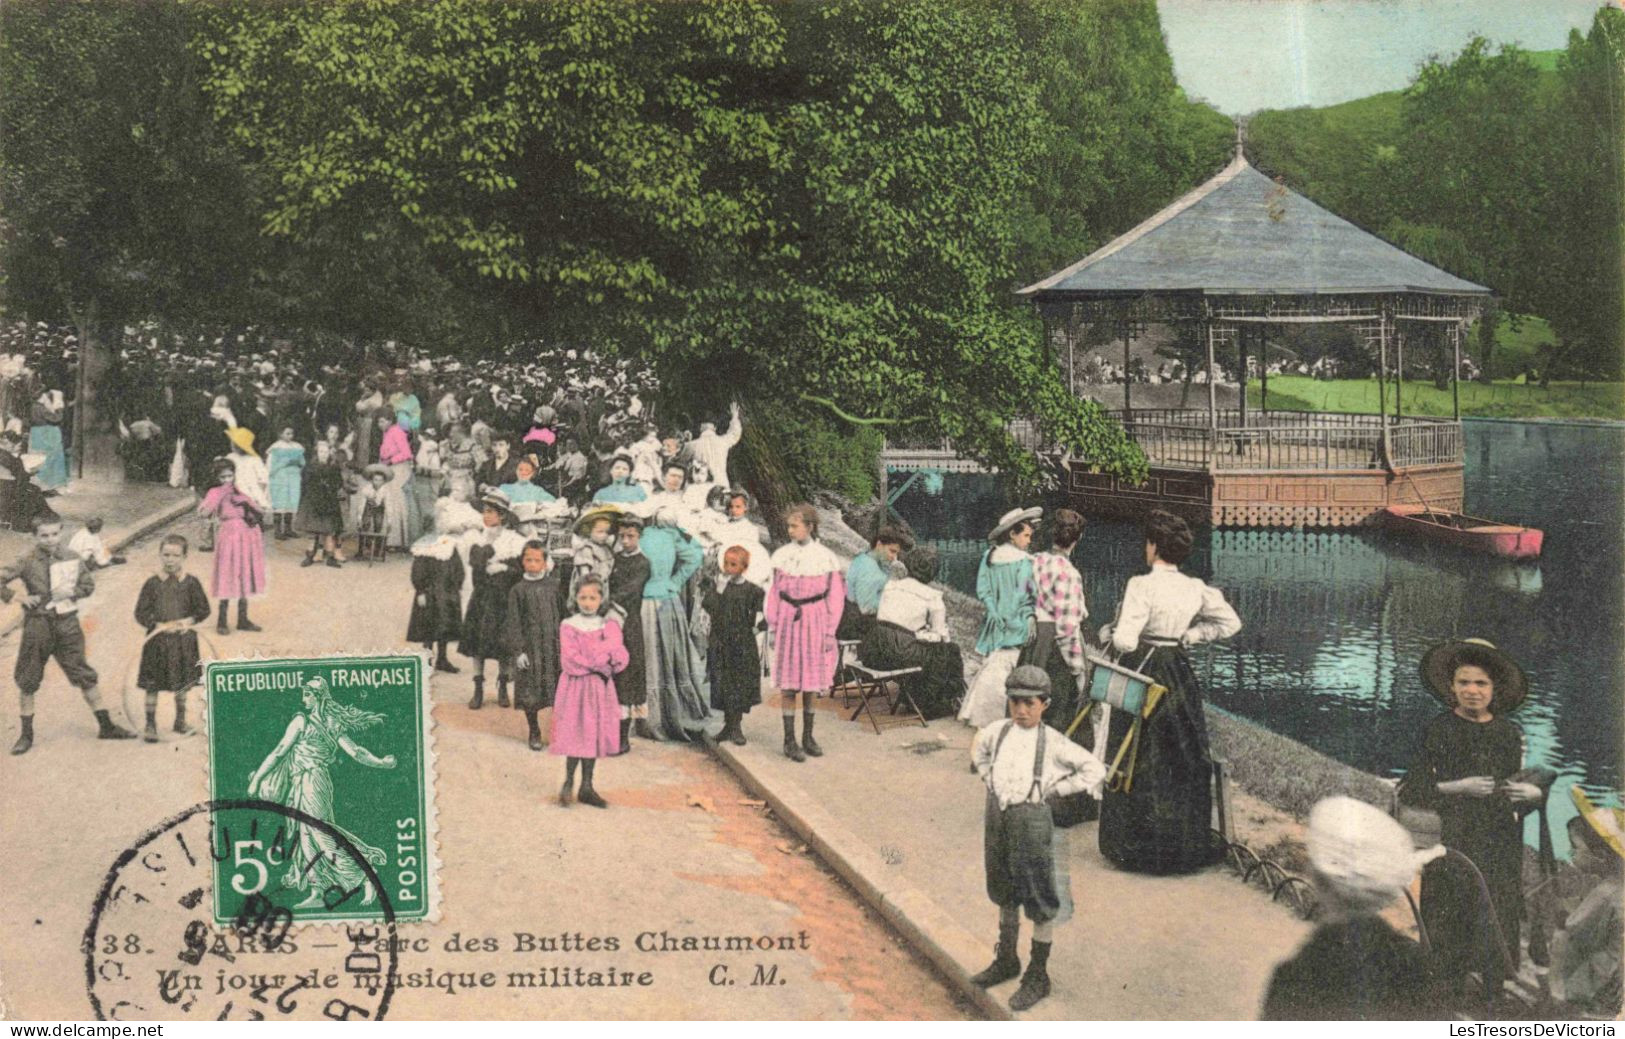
1163, 824
911, 630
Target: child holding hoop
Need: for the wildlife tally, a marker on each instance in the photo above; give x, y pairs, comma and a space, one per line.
171, 605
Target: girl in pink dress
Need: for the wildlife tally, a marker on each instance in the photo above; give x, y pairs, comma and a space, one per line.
803, 607
586, 714
239, 548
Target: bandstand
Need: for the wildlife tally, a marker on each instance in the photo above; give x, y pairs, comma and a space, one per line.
1227, 261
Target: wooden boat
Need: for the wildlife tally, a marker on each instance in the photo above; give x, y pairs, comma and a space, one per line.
1507, 540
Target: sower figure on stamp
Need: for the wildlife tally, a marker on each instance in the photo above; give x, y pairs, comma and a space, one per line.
494, 564
54, 580
1025, 764
296, 773
530, 635
171, 606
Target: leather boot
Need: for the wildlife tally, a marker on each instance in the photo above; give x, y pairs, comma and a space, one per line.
626, 736
502, 690
107, 729
1034, 983
535, 739
478, 699
310, 558
643, 730
181, 728
220, 627
792, 749
443, 662
243, 623
809, 744
150, 733
1006, 964
25, 740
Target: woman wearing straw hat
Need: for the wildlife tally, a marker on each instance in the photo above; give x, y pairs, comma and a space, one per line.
1004, 584
1355, 967
1463, 773
1162, 822
1585, 968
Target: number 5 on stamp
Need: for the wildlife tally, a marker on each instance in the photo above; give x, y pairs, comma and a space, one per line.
343, 741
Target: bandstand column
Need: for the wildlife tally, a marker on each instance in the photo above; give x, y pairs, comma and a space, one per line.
1212, 388
1399, 373
1455, 370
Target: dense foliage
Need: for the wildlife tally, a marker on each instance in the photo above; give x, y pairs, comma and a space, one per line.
1497, 168
819, 207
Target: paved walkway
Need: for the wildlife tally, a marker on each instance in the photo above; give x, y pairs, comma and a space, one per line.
128, 510
900, 815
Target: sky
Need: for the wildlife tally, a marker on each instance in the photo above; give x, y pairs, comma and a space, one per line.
1244, 55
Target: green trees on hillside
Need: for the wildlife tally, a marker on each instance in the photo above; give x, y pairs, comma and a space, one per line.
819, 206
1493, 169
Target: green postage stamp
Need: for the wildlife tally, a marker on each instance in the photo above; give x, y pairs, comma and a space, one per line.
321, 773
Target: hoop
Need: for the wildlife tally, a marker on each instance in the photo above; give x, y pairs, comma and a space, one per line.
132, 669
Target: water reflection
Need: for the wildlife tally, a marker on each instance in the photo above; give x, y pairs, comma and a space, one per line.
1336, 623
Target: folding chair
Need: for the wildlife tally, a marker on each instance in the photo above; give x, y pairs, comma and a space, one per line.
845, 680
872, 683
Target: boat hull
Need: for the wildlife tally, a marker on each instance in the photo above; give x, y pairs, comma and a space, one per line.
1503, 540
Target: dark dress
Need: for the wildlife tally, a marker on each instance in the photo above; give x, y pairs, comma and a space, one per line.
626, 583
321, 500
736, 665
1164, 824
487, 605
169, 662
940, 685
531, 627
1485, 829
441, 582
1354, 970
20, 499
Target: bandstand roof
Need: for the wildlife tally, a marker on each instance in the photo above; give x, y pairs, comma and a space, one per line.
1243, 234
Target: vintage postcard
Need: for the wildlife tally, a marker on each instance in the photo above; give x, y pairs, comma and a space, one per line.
848, 510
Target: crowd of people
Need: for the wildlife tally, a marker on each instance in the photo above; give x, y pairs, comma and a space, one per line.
617, 578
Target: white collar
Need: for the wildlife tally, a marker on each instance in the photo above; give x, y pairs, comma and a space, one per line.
436, 546
583, 623
812, 559
1007, 553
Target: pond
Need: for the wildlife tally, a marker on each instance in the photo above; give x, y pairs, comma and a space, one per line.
1336, 623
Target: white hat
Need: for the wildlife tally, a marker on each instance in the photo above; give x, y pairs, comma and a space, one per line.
1013, 517
1361, 852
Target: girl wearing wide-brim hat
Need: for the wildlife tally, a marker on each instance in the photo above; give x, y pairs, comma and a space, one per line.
1004, 584
593, 547
1464, 773
1585, 969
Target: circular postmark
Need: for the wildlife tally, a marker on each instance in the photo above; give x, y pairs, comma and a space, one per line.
153, 951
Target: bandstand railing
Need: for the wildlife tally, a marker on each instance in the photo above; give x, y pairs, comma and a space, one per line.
1188, 438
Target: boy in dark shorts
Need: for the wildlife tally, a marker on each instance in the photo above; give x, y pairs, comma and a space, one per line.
1025, 764
55, 579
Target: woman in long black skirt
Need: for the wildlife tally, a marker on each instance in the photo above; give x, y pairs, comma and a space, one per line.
1163, 823
1464, 772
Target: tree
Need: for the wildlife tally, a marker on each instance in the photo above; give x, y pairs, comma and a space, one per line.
118, 196
812, 199
1584, 215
